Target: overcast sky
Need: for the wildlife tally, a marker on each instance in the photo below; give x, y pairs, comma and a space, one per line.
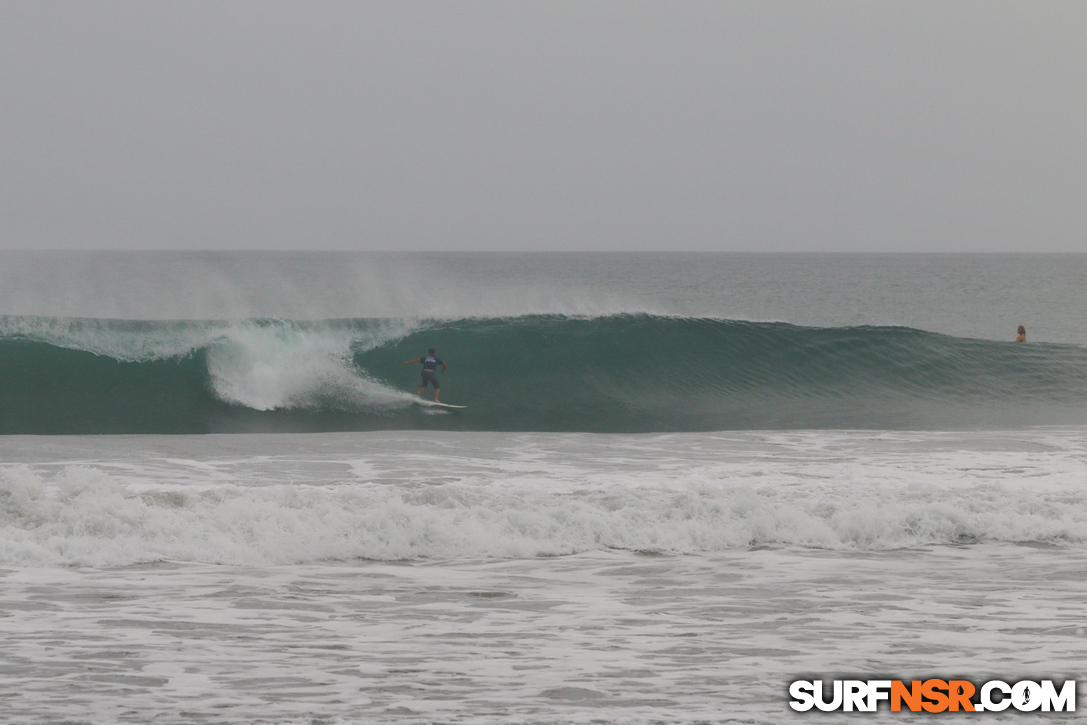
733, 126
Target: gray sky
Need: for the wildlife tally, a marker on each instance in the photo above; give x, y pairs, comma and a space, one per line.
719, 126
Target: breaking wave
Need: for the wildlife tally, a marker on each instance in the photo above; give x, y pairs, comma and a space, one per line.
618, 373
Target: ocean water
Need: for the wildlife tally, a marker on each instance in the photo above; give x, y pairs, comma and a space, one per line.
681, 483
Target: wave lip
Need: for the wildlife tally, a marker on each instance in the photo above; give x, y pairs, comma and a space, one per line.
619, 373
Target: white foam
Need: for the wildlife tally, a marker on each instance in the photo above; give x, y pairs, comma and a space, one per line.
288, 366
261, 364
541, 495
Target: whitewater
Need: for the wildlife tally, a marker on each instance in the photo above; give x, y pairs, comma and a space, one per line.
682, 482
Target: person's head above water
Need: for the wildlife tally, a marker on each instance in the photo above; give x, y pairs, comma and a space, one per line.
1022, 330
432, 351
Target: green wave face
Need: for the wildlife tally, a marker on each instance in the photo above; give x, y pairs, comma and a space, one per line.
625, 373
642, 373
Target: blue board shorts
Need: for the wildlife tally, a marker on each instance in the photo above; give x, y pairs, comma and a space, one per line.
430, 378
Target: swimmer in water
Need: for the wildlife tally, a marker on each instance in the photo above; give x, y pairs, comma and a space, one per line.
1022, 337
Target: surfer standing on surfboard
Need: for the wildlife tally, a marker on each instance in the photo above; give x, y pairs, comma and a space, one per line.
430, 361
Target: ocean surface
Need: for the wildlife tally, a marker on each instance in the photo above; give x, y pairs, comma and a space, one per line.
680, 483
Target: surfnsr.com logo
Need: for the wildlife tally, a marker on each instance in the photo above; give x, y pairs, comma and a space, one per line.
933, 696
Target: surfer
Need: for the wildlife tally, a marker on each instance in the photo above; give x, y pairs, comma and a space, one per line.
430, 361
1022, 337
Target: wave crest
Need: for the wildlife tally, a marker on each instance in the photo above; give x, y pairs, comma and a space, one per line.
624, 373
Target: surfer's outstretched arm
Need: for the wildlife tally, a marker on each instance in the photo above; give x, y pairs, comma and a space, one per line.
409, 362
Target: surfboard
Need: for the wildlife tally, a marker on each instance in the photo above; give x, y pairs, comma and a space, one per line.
441, 405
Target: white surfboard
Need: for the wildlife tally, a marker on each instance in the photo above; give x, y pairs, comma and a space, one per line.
441, 405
